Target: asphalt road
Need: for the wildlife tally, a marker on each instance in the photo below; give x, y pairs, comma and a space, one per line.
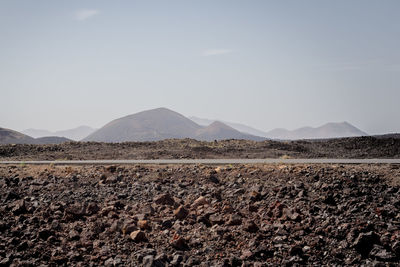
207, 161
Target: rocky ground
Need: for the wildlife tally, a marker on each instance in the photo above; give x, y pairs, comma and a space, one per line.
189, 215
357, 147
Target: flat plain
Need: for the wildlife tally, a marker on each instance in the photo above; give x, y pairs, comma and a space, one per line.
353, 147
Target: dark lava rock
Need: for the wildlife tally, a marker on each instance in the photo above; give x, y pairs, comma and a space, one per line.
166, 223
234, 219
251, 227
212, 178
177, 260
45, 234
216, 219
348, 215
365, 242
164, 199
330, 200
19, 207
92, 208
381, 254
179, 243
12, 196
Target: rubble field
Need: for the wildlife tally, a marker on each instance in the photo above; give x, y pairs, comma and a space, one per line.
200, 215
352, 147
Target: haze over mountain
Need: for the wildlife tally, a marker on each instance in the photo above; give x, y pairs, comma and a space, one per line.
159, 124
238, 126
329, 130
162, 123
8, 136
326, 131
76, 134
218, 130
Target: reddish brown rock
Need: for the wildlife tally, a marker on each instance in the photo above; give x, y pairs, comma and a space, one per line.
199, 202
143, 224
181, 213
164, 199
179, 243
250, 227
234, 219
138, 236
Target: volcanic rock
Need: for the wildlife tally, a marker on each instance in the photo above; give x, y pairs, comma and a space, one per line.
138, 236
181, 212
164, 199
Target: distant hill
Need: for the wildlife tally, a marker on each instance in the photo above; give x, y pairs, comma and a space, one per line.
52, 140
326, 131
238, 126
150, 125
329, 130
8, 136
161, 123
75, 134
220, 131
36, 133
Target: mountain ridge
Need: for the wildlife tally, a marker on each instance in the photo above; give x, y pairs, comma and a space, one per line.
8, 136
162, 123
238, 126
76, 134
325, 131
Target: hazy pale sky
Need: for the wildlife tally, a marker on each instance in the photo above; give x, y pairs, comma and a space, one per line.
265, 63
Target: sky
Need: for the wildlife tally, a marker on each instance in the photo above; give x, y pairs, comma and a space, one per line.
268, 64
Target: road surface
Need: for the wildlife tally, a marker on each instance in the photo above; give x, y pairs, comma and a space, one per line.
206, 161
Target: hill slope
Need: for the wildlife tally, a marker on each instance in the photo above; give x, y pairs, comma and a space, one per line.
76, 134
37, 133
220, 131
150, 125
8, 136
329, 130
237, 126
161, 123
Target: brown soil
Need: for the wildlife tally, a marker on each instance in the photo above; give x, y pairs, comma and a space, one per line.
241, 215
359, 147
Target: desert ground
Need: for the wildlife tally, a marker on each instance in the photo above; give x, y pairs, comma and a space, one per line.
188, 215
355, 147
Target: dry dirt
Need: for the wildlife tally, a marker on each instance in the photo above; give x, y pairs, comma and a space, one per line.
240, 215
358, 147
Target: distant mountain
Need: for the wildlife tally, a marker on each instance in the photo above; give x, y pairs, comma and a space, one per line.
76, 134
8, 136
150, 125
52, 140
238, 126
36, 133
329, 130
159, 124
219, 131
